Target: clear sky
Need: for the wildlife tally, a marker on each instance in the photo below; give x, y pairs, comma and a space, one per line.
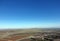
29, 13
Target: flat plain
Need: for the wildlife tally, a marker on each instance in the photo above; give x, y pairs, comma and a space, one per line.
30, 34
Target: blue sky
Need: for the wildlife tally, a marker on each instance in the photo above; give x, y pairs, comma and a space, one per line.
29, 13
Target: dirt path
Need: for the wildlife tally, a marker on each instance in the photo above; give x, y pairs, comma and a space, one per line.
24, 38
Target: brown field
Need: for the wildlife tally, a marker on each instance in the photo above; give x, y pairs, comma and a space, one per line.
20, 35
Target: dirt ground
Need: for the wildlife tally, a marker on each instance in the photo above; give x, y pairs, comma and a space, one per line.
57, 40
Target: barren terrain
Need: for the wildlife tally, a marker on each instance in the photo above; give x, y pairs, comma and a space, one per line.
27, 34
